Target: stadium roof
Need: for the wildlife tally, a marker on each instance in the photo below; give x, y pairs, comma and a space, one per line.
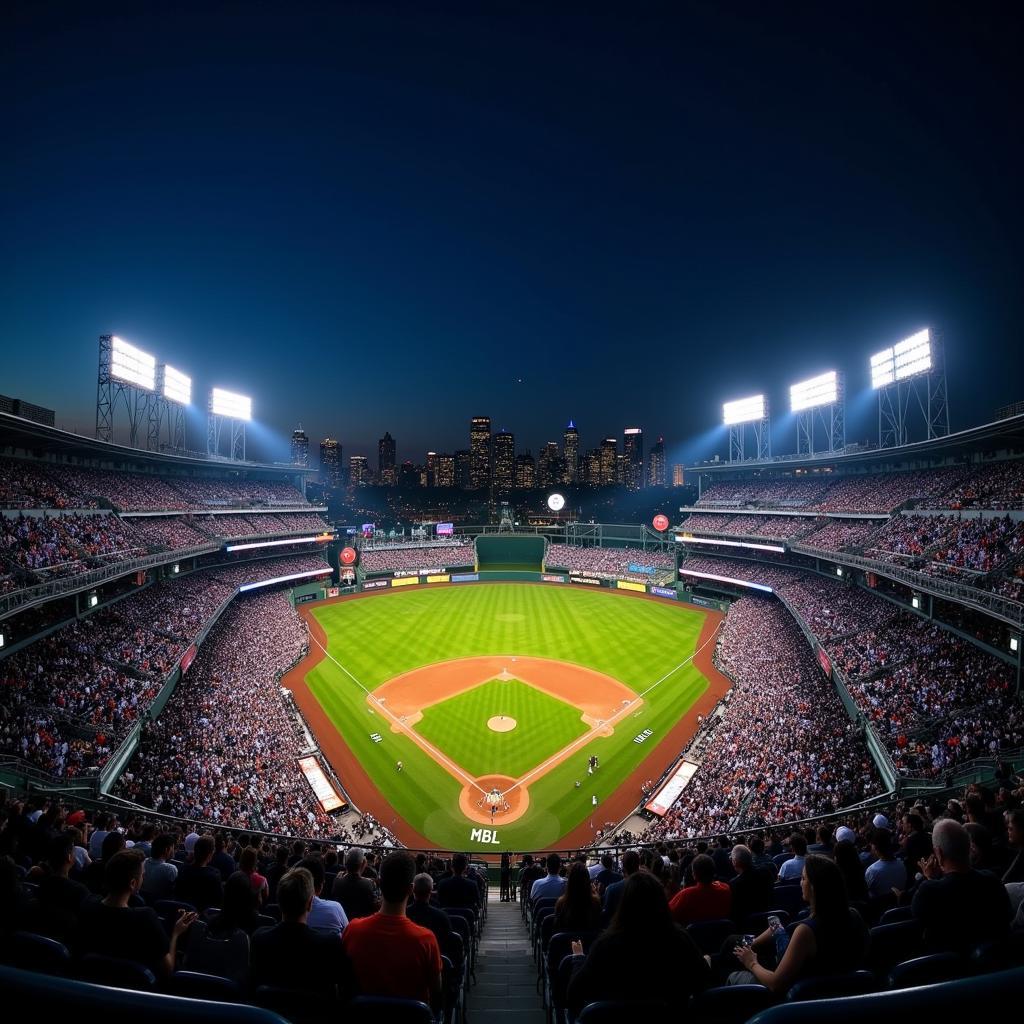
18, 433
1006, 435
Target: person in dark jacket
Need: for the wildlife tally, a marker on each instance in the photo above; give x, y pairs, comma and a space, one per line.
199, 882
642, 946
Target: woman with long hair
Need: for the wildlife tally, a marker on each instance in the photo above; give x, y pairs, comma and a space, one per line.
247, 866
852, 870
578, 909
833, 940
642, 942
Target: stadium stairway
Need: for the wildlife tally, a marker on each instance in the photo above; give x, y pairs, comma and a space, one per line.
506, 976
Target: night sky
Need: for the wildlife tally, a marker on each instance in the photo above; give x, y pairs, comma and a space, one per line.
381, 217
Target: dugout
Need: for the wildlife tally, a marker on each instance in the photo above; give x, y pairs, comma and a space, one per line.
510, 552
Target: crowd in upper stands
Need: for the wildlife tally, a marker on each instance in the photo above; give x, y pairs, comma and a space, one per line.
30, 484
991, 486
610, 562
406, 558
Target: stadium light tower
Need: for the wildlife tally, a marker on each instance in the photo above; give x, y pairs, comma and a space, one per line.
125, 372
912, 370
821, 400
173, 393
237, 411
736, 415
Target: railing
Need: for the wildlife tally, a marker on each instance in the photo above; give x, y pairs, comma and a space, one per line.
18, 600
1003, 608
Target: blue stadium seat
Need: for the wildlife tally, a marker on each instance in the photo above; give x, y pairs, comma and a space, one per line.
385, 1010
624, 1011
931, 1002
196, 985
833, 986
896, 914
65, 999
115, 972
32, 952
928, 970
709, 935
296, 1005
891, 944
730, 1004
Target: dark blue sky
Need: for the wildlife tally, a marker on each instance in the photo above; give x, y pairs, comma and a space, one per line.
383, 216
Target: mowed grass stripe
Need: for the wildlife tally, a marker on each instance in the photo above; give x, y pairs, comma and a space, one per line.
458, 726
381, 636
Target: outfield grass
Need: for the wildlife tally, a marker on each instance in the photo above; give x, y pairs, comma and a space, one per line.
458, 726
636, 641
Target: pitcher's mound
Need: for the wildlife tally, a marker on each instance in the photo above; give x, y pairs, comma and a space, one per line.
501, 723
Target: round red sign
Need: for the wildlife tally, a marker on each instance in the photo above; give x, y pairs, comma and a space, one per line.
348, 556
661, 523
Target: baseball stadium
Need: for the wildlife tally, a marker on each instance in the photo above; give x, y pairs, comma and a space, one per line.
808, 665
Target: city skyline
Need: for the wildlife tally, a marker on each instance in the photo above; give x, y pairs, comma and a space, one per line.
386, 218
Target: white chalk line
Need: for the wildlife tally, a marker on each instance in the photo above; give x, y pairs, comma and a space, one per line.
417, 738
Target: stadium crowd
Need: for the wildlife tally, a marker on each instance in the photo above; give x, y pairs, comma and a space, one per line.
784, 748
225, 749
51, 545
612, 562
399, 559
94, 678
28, 484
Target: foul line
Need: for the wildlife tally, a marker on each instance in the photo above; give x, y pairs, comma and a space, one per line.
418, 739
588, 736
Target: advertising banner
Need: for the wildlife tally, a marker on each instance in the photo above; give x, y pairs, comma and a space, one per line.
187, 658
442, 578
321, 785
551, 578
465, 577
825, 662
664, 592
630, 585
376, 584
408, 581
332, 591
589, 580
674, 785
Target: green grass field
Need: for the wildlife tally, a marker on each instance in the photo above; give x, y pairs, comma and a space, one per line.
458, 726
636, 641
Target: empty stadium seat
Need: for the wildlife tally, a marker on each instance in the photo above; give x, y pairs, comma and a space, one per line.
196, 985
709, 935
386, 1010
118, 973
621, 1011
833, 986
927, 970
31, 952
731, 1004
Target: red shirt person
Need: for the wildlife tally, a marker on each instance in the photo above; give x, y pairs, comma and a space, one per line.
706, 899
390, 955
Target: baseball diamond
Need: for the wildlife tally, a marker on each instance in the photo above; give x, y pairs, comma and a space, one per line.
579, 672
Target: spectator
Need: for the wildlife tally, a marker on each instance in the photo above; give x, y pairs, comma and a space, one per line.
642, 942
706, 900
422, 913
356, 894
199, 882
578, 909
832, 940
751, 889
247, 864
158, 876
58, 899
324, 915
1015, 838
886, 873
792, 869
552, 884
291, 954
392, 956
957, 906
850, 867
111, 927
457, 890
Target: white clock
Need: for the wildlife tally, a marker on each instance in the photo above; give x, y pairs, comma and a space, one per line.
556, 502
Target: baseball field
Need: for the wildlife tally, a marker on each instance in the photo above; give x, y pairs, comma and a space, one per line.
450, 699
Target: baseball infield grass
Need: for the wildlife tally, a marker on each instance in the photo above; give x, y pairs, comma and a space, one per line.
638, 642
458, 726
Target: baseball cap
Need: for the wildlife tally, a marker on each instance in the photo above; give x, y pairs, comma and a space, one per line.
75, 818
190, 841
844, 834
880, 821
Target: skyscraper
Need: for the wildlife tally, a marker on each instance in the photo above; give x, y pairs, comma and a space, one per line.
548, 465
431, 467
571, 450
504, 460
358, 471
300, 447
633, 449
386, 461
609, 453
592, 468
409, 475
330, 462
480, 451
526, 472
463, 475
656, 464
445, 476
678, 478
